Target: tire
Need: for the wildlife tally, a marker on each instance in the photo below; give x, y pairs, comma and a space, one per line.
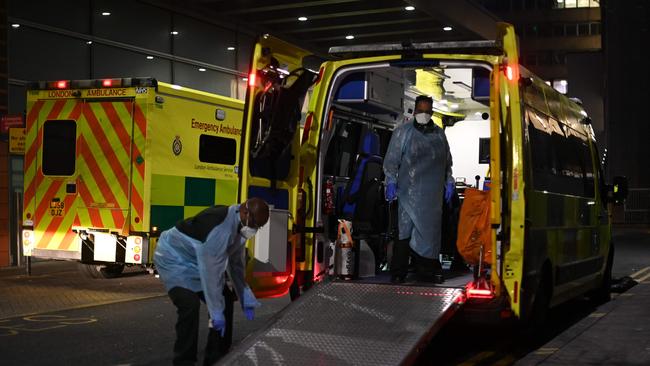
602, 294
540, 305
533, 325
101, 271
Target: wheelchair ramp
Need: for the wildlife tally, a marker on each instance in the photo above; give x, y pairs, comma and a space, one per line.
348, 323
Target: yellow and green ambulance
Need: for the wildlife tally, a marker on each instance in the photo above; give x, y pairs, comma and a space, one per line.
110, 163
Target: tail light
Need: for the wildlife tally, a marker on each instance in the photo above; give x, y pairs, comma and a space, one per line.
479, 289
252, 79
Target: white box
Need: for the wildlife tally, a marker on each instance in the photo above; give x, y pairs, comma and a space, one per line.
105, 245
271, 243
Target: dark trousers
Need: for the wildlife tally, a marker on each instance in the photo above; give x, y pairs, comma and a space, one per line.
424, 267
188, 305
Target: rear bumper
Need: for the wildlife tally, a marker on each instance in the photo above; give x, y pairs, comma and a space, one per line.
56, 254
486, 311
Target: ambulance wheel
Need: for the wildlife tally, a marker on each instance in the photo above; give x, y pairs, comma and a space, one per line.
533, 323
602, 294
101, 270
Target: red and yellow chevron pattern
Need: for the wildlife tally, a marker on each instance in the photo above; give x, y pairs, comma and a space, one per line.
109, 176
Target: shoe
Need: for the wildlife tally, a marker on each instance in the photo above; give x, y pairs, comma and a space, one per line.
397, 279
438, 278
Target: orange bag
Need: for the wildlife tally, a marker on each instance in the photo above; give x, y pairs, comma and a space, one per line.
474, 227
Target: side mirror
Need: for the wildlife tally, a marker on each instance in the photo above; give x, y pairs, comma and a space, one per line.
617, 192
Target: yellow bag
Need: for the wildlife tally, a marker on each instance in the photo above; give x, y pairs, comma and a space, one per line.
474, 227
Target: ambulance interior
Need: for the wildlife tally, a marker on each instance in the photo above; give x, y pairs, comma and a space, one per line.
366, 106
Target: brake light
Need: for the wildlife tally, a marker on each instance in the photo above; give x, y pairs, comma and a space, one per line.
476, 293
107, 83
512, 73
62, 84
252, 79
479, 289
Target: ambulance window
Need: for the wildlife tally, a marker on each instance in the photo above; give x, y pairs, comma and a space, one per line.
217, 150
59, 147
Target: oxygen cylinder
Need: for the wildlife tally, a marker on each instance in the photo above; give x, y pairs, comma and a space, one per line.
345, 254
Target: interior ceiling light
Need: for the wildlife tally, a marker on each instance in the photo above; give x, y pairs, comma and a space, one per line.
349, 36
447, 28
89, 42
175, 33
106, 13
302, 19
149, 57
409, 8
15, 25
201, 69
231, 48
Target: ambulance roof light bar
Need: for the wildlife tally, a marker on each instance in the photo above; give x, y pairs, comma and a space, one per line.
94, 83
491, 47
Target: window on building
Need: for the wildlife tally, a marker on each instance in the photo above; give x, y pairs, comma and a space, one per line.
545, 58
59, 147
546, 30
583, 29
529, 4
217, 150
561, 85
571, 30
531, 30
595, 29
559, 59
572, 4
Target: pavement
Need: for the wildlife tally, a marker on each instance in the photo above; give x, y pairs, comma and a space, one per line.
617, 332
56, 285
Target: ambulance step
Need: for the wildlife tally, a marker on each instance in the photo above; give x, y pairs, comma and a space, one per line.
350, 323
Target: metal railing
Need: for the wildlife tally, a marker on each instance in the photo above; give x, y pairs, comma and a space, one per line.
637, 206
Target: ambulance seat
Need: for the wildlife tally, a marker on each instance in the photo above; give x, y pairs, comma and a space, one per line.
363, 196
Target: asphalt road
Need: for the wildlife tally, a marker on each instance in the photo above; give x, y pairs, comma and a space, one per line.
127, 333
141, 332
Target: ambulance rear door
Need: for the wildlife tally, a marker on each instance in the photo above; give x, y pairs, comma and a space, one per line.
279, 85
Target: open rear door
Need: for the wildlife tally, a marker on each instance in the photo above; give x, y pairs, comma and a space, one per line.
278, 85
514, 170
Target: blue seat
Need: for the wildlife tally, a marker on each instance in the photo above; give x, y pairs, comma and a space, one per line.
363, 194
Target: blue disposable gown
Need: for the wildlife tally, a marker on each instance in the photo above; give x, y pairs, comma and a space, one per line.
420, 164
185, 262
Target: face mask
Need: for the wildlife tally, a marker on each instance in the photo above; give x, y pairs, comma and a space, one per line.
247, 232
422, 118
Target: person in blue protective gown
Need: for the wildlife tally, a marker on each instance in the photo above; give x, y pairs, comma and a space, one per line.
418, 174
192, 259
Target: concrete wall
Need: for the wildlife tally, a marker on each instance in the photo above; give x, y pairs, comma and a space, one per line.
626, 34
72, 40
586, 81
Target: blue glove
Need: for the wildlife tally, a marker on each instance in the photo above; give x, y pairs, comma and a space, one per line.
219, 325
449, 191
250, 313
391, 192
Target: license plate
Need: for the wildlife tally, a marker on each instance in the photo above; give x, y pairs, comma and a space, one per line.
57, 207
